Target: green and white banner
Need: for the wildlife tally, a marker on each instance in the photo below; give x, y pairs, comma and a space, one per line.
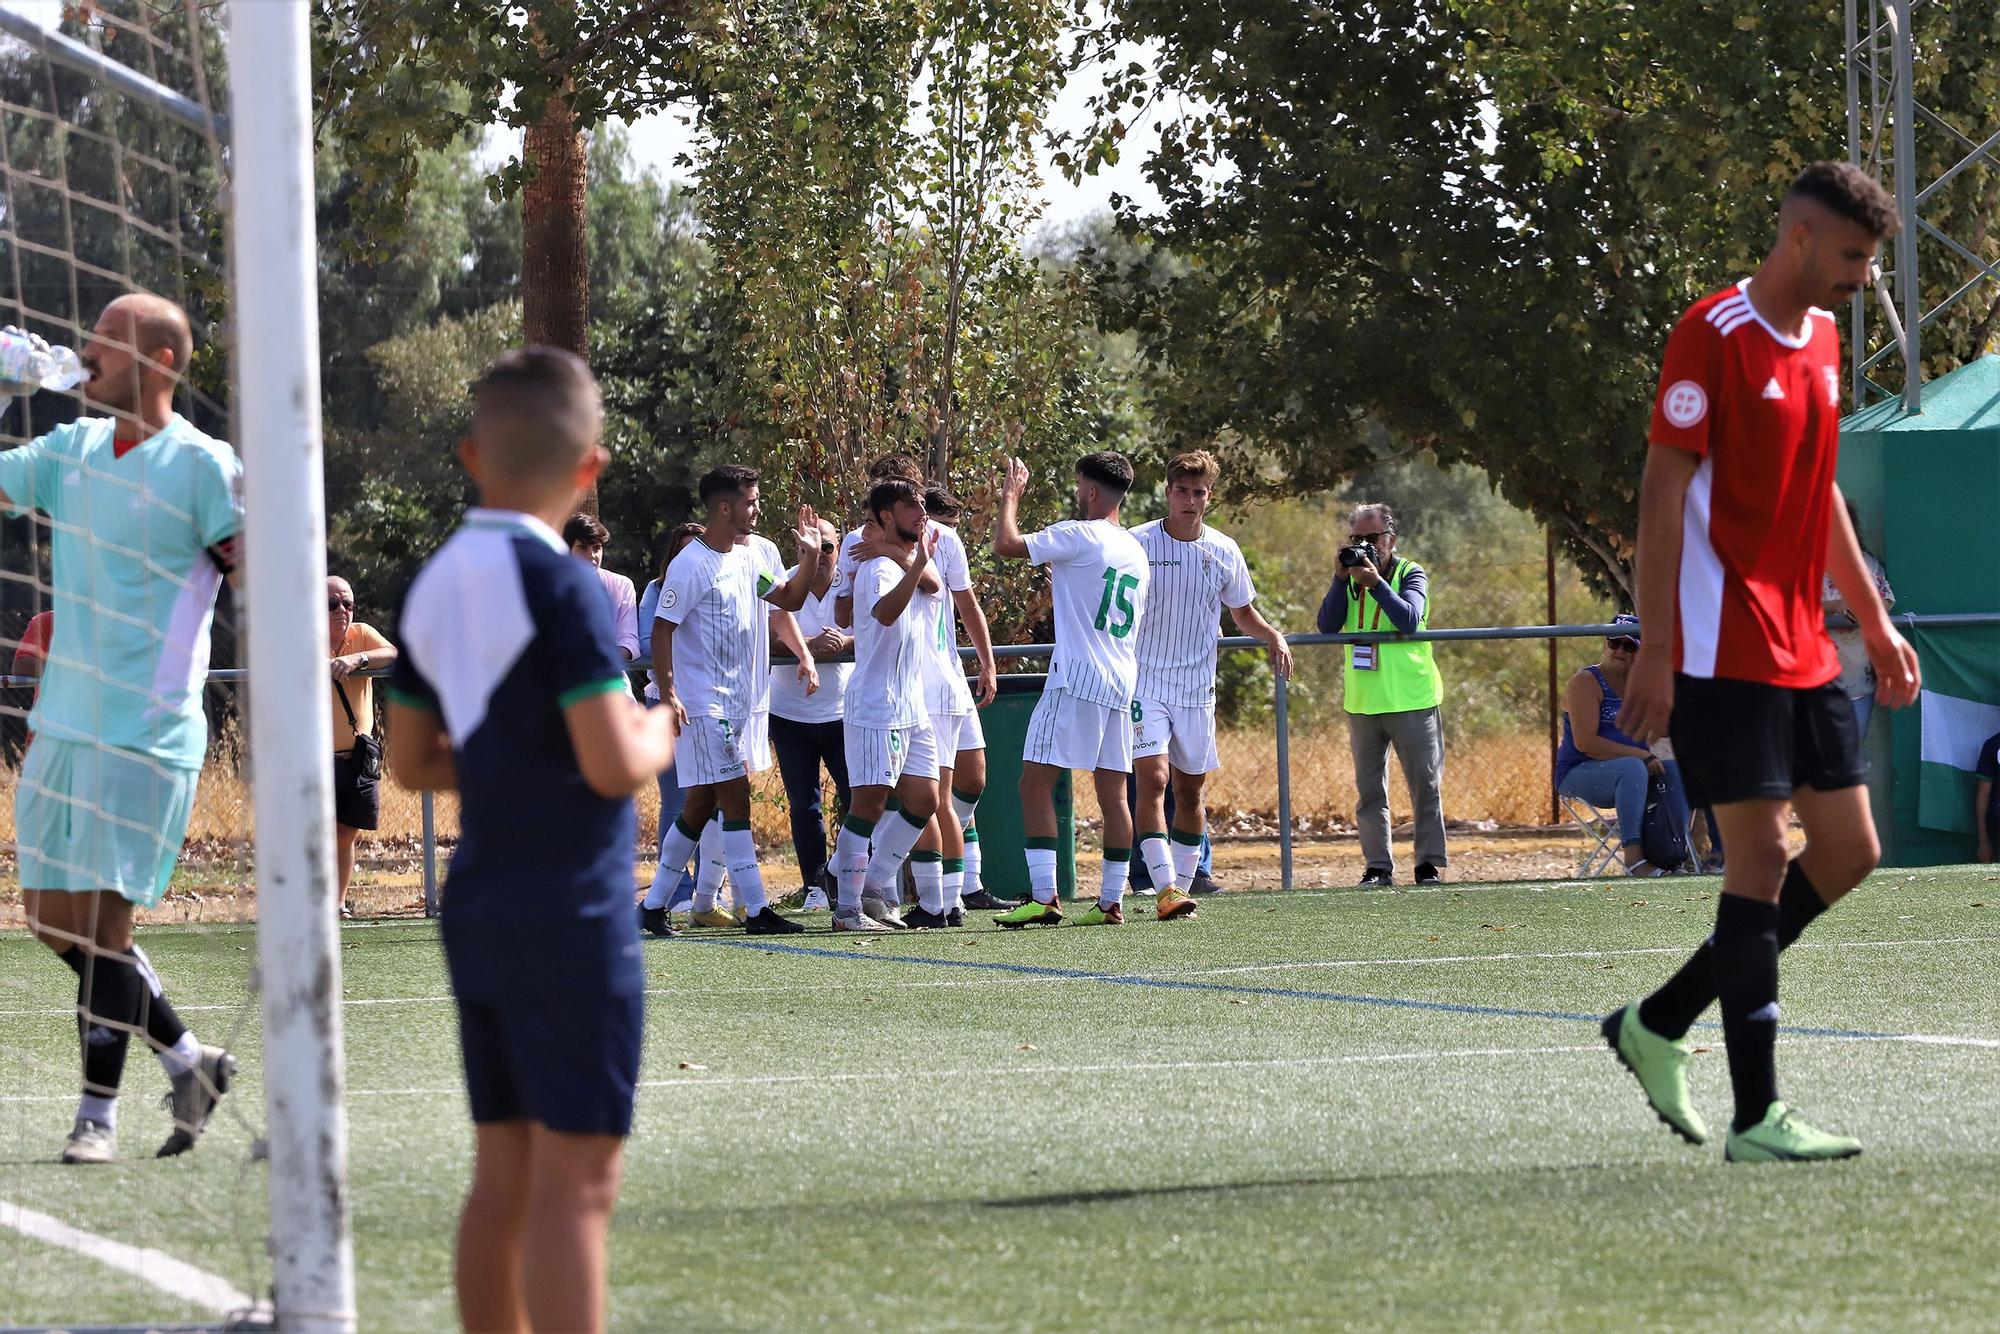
1959, 710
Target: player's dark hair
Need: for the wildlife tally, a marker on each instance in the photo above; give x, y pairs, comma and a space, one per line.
536, 411
888, 492
904, 466
677, 537
1851, 193
731, 479
585, 530
1107, 468
942, 504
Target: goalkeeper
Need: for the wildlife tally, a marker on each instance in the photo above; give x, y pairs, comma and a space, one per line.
144, 513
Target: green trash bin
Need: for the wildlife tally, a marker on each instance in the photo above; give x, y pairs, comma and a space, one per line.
1003, 865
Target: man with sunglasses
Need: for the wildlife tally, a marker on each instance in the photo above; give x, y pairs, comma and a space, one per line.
1391, 692
1599, 764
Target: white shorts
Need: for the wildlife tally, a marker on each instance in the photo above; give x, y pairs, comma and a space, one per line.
757, 741
1184, 733
957, 732
712, 750
1072, 733
884, 756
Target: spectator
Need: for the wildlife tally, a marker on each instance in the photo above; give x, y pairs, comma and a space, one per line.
357, 801
672, 798
587, 538
1986, 803
1857, 677
806, 729
1599, 764
1392, 693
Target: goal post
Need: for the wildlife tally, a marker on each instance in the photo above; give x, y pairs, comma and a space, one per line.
278, 415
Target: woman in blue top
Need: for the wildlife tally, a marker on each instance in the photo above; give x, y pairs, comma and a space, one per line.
1598, 763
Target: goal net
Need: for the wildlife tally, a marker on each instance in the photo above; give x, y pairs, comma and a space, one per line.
160, 318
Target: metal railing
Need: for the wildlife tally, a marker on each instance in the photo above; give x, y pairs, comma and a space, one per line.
1280, 702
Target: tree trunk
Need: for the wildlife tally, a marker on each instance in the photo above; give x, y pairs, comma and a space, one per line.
555, 239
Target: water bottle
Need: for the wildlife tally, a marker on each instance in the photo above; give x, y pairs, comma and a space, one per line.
28, 363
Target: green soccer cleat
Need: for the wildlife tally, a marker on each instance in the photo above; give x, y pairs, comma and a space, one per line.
1100, 915
1782, 1138
1660, 1066
1031, 913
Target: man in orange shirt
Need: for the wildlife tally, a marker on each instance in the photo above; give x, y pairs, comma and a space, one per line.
357, 648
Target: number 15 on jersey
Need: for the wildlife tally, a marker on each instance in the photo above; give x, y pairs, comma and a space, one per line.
1115, 613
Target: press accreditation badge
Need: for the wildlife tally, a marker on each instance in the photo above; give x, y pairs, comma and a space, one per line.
1364, 657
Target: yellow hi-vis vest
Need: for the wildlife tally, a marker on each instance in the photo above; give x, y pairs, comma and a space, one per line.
1405, 676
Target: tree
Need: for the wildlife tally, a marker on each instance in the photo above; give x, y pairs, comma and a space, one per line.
1461, 226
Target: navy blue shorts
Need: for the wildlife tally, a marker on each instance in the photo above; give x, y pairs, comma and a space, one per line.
572, 1065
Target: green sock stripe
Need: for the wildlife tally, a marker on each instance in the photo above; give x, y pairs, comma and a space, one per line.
1118, 854
954, 864
856, 825
969, 798
913, 821
971, 834
1187, 840
1042, 844
680, 823
735, 826
1160, 834
893, 806
927, 857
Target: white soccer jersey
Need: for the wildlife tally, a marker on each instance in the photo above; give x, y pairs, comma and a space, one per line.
1192, 583
1099, 575
722, 626
945, 687
886, 689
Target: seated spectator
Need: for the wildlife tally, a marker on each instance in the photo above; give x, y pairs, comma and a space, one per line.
587, 538
1985, 803
1599, 764
357, 801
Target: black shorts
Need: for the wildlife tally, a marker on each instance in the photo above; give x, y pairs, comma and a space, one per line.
1746, 741
357, 800
571, 1064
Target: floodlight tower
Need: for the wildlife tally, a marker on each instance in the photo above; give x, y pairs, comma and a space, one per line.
1883, 114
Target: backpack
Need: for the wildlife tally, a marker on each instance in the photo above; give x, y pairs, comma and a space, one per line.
1664, 845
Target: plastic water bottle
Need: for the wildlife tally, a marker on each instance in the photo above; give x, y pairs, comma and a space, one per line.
28, 363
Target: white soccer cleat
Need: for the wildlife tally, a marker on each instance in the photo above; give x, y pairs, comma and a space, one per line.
858, 921
884, 912
91, 1142
815, 901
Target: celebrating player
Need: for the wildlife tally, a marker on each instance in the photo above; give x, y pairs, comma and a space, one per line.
1084, 718
1739, 521
144, 514
889, 740
712, 655
1196, 572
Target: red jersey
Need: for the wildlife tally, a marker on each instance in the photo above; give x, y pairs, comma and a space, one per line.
1762, 411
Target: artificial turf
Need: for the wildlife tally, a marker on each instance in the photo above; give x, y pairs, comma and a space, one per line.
1356, 1109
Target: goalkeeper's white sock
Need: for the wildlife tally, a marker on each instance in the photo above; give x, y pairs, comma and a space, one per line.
740, 850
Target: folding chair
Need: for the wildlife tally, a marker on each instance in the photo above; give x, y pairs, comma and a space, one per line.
1601, 857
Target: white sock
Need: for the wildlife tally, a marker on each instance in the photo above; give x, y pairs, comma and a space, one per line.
954, 884
971, 860
713, 866
927, 870
1186, 857
1117, 870
1042, 873
677, 845
740, 847
102, 1110
963, 808
182, 1057
894, 838
1159, 862
850, 863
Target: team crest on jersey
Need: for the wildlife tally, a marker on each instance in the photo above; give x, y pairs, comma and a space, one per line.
669, 598
1832, 374
1684, 403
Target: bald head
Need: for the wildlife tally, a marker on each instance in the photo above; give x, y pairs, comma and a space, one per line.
536, 415
154, 328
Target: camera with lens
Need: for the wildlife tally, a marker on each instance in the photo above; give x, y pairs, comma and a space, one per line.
1359, 553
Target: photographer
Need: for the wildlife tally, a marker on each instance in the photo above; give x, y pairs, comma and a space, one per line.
1392, 693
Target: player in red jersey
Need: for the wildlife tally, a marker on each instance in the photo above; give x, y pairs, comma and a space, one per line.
1739, 520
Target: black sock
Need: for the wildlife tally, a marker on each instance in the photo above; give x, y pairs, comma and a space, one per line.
156, 1013
1672, 1010
115, 993
1745, 947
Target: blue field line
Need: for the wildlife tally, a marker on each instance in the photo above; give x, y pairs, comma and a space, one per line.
1238, 989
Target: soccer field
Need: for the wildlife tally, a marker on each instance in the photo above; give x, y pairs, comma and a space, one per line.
1324, 1110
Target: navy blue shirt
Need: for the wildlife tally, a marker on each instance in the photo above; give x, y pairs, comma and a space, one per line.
503, 629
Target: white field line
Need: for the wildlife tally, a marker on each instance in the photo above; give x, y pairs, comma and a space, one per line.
988, 979
157, 1269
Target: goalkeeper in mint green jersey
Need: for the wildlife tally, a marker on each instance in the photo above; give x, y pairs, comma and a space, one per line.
144, 512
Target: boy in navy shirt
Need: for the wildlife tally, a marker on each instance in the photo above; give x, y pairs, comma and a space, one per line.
511, 690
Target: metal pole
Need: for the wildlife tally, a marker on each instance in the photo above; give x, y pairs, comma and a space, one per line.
72, 54
1905, 129
276, 297
429, 804
1281, 706
1857, 305
1555, 731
